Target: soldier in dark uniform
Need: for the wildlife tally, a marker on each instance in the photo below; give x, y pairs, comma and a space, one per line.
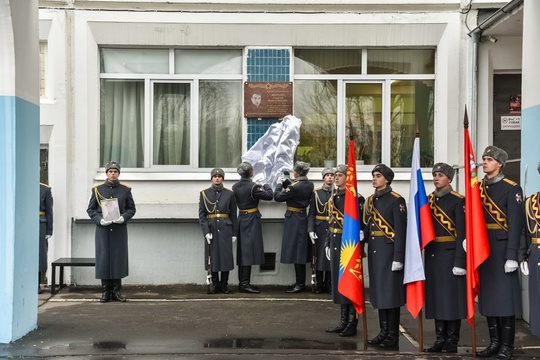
294, 245
250, 246
385, 219
217, 216
445, 285
318, 228
45, 228
499, 298
532, 250
336, 207
111, 235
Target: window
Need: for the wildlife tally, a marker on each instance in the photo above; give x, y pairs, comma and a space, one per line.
42, 66
379, 97
179, 108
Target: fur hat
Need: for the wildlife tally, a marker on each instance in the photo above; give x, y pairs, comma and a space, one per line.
445, 169
385, 171
497, 153
327, 171
245, 169
217, 171
301, 167
112, 165
342, 169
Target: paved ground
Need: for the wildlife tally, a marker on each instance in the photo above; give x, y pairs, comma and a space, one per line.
183, 322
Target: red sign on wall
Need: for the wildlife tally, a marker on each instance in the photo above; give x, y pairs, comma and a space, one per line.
267, 99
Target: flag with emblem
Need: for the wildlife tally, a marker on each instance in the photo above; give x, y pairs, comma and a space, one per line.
475, 225
420, 232
351, 282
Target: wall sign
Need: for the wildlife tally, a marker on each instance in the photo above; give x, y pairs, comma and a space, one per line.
267, 99
510, 122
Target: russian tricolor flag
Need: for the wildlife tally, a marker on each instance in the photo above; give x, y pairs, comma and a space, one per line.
420, 232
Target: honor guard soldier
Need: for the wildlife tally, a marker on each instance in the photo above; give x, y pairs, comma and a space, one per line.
45, 228
250, 246
445, 285
217, 217
532, 249
294, 244
499, 297
318, 228
385, 219
111, 235
336, 207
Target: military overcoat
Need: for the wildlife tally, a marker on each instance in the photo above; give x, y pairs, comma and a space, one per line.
111, 241
45, 223
532, 207
250, 246
318, 223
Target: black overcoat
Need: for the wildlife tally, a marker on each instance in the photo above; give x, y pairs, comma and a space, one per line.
532, 207
294, 244
250, 246
500, 292
221, 203
111, 241
386, 286
318, 223
45, 223
446, 293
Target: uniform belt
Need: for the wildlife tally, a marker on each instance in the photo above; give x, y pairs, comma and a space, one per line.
535, 241
42, 213
447, 238
249, 211
320, 217
213, 216
494, 226
295, 209
335, 230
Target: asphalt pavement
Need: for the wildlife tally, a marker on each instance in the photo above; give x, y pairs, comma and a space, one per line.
184, 322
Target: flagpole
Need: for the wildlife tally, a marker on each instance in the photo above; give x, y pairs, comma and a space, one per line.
420, 332
364, 316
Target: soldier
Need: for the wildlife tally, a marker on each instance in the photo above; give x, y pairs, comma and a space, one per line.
446, 291
250, 247
217, 217
294, 245
111, 235
318, 228
45, 228
532, 210
336, 207
385, 219
499, 298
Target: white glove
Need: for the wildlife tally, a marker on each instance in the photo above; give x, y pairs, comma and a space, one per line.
510, 266
313, 236
327, 249
120, 220
233, 239
524, 267
458, 271
397, 266
361, 235
47, 237
208, 238
102, 222
465, 245
280, 180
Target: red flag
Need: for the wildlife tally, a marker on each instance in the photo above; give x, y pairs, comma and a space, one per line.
351, 282
475, 226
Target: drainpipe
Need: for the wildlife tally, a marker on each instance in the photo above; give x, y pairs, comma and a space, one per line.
475, 35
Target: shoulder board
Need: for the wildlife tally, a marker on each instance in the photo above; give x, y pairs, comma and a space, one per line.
129, 187
457, 194
294, 183
203, 190
510, 182
44, 184
319, 188
395, 194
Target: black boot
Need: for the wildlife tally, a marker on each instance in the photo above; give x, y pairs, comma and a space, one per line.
300, 286
245, 275
215, 287
105, 291
453, 328
494, 337
224, 282
392, 339
328, 281
383, 324
343, 321
352, 323
321, 286
116, 294
440, 332
508, 330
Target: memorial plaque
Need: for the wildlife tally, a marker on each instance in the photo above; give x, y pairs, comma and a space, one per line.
110, 209
267, 99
